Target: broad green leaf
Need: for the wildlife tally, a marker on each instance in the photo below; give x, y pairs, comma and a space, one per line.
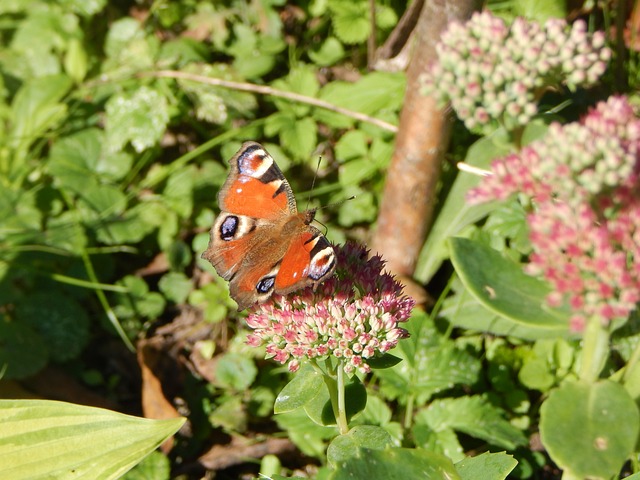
300, 137
307, 435
36, 108
320, 410
430, 364
235, 371
540, 10
176, 286
346, 446
75, 60
60, 320
78, 157
351, 20
486, 466
352, 144
456, 214
230, 414
443, 441
127, 47
85, 8
396, 464
475, 416
155, 466
140, 117
138, 301
503, 288
465, 311
372, 93
305, 385
359, 210
329, 53
590, 430
18, 213
46, 439
301, 80
22, 350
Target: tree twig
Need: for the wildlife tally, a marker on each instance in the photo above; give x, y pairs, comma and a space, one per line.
265, 90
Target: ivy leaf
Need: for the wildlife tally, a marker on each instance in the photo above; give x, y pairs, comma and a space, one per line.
140, 117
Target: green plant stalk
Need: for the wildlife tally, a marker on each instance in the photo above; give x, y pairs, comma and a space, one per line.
595, 349
631, 364
336, 396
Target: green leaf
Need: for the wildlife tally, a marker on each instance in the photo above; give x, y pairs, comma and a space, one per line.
60, 320
308, 436
330, 52
36, 108
22, 350
486, 466
301, 80
475, 416
361, 209
456, 214
397, 464
140, 117
300, 137
540, 10
306, 384
351, 20
320, 409
503, 288
127, 48
176, 286
47, 439
346, 446
430, 364
235, 371
590, 430
155, 466
75, 60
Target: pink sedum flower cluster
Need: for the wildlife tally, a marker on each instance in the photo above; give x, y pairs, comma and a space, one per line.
352, 316
583, 183
491, 72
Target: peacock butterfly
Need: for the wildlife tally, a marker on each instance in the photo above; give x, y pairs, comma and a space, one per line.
260, 243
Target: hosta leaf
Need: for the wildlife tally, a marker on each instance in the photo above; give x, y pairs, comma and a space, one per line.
47, 439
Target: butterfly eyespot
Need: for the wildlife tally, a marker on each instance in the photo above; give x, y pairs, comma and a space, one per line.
265, 285
229, 227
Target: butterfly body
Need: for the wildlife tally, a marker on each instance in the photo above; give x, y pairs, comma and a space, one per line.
260, 243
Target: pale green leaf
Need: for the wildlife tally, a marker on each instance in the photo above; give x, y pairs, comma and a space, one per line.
46, 439
140, 117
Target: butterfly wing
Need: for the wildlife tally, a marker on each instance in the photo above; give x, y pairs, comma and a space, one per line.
259, 242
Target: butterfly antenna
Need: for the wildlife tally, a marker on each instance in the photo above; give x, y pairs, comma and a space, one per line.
313, 182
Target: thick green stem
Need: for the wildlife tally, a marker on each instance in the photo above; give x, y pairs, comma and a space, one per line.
336, 395
595, 349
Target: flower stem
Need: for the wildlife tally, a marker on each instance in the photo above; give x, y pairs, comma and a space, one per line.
335, 384
595, 349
